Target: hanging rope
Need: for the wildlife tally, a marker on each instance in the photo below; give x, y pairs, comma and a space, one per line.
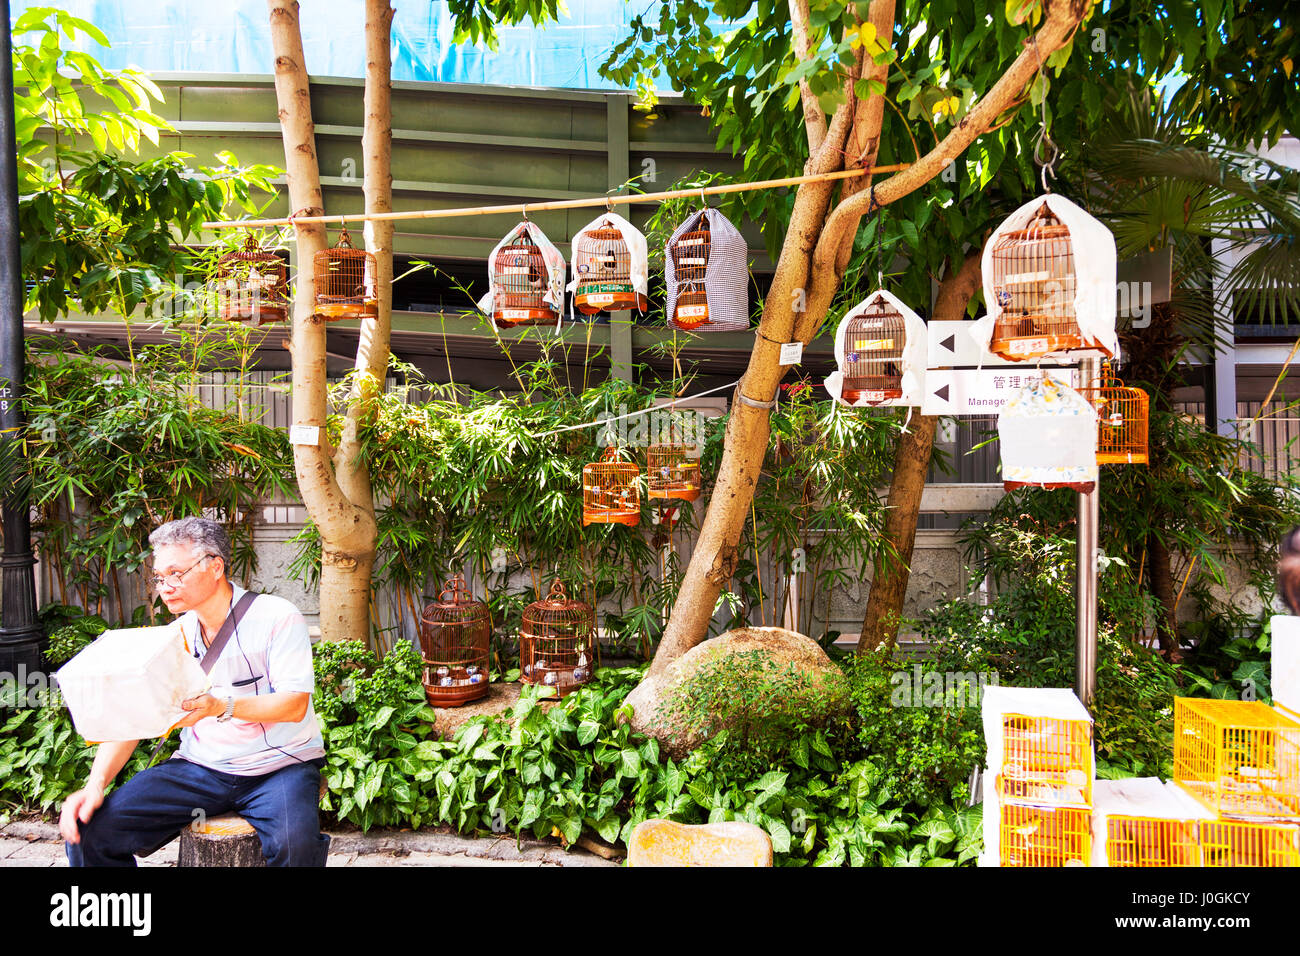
608, 202
645, 411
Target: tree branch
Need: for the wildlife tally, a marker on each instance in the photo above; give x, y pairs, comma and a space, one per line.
813, 116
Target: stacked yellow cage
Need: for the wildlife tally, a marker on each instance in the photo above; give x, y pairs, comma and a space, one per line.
1041, 771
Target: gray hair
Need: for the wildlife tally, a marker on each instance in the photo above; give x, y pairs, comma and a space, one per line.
203, 535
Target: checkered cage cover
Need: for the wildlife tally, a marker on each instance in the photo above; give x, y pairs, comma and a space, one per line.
726, 279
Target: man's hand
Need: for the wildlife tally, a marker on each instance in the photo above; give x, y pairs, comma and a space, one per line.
205, 705
79, 807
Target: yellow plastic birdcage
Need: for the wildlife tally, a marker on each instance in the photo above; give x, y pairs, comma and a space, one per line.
1239, 758
1044, 836
609, 491
1046, 760
1235, 843
1035, 285
873, 354
689, 260
345, 282
671, 473
1122, 414
1134, 841
520, 278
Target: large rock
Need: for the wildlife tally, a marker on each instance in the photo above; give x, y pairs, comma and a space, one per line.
665, 843
749, 681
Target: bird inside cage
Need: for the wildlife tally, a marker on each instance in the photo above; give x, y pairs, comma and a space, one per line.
252, 285
609, 491
519, 278
1122, 420
873, 354
671, 473
345, 282
1035, 285
557, 642
455, 639
689, 259
603, 265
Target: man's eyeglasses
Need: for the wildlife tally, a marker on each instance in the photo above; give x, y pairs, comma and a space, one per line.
176, 578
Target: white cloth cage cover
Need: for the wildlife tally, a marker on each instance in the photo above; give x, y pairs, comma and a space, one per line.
637, 248
1138, 797
129, 684
554, 294
726, 275
1093, 247
1048, 437
914, 354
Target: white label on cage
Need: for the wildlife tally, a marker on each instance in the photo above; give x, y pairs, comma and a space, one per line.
693, 241
791, 353
693, 262
1027, 346
601, 298
692, 311
515, 271
514, 313
1024, 278
304, 434
873, 396
874, 345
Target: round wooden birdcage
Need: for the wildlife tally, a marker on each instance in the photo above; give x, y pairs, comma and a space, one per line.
345, 282
603, 264
557, 642
609, 491
671, 473
689, 260
455, 639
251, 285
520, 280
1034, 282
1122, 416
873, 354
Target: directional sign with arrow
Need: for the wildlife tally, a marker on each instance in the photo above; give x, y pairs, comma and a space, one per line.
966, 391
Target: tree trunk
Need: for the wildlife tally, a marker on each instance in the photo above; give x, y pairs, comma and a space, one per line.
347, 529
1160, 568
808, 273
893, 564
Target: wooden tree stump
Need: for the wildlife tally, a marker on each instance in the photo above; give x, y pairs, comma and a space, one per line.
227, 840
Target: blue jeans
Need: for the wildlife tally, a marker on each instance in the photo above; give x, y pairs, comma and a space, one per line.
149, 811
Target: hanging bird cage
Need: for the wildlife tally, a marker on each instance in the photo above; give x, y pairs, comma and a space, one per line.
1048, 437
557, 642
455, 635
1122, 414
873, 354
1034, 282
345, 282
688, 257
609, 491
252, 285
520, 279
671, 473
603, 264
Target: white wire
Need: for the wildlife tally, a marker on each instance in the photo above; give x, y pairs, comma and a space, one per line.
644, 411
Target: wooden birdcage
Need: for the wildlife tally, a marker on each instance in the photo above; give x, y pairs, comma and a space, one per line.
1044, 836
520, 281
251, 285
1034, 282
1122, 414
873, 354
671, 473
689, 260
603, 264
455, 638
557, 642
609, 491
1239, 758
345, 282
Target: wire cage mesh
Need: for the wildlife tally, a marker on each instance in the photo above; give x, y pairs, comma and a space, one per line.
1035, 284
520, 279
671, 472
1135, 841
345, 282
1236, 843
1239, 758
610, 494
689, 259
1047, 760
603, 264
1044, 836
557, 642
251, 285
1122, 417
455, 640
873, 354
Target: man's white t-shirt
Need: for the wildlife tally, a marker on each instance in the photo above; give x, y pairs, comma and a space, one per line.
269, 652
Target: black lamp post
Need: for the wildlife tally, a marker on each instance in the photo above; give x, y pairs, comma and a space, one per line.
20, 634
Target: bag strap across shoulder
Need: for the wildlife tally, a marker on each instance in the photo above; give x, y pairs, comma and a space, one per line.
232, 621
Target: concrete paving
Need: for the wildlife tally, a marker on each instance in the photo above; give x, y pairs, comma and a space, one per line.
34, 842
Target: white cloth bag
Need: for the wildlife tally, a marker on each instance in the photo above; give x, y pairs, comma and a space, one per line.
637, 249
129, 684
914, 354
555, 268
1048, 436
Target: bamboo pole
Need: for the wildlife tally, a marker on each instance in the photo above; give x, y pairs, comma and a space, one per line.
524, 208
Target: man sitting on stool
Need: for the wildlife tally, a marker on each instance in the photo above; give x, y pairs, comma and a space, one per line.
252, 746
